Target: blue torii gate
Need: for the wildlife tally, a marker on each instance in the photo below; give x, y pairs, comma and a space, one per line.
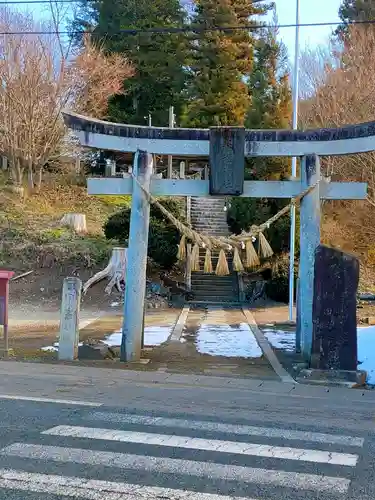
308, 145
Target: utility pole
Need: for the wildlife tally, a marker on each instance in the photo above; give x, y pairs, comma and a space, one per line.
294, 162
171, 125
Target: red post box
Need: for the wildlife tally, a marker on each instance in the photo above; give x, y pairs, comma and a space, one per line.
5, 276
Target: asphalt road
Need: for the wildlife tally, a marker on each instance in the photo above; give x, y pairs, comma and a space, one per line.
136, 436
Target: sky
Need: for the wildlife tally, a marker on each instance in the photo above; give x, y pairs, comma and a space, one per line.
311, 11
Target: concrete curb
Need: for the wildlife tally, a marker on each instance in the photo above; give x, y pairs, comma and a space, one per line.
338, 378
267, 349
179, 326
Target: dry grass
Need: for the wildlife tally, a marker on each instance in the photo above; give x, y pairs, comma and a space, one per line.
29, 226
349, 226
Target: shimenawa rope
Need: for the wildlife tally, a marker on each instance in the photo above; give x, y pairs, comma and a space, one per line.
234, 243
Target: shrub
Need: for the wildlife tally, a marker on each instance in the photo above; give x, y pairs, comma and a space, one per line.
245, 212
277, 288
163, 236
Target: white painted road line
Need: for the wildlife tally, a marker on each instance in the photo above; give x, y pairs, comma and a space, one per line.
245, 430
90, 489
50, 400
177, 466
257, 450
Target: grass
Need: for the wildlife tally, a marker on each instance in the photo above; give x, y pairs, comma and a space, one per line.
29, 226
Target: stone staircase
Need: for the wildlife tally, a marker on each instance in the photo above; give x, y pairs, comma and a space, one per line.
208, 216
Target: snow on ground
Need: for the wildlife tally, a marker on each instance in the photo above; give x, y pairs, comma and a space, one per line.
230, 341
286, 341
54, 347
153, 336
280, 339
366, 351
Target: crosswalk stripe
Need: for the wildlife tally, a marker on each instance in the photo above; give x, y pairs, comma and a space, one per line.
245, 430
92, 489
178, 466
68, 402
258, 450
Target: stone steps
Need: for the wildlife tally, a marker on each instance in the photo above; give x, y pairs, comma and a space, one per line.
208, 217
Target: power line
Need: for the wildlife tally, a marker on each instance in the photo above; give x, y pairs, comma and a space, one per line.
36, 2
170, 29
188, 29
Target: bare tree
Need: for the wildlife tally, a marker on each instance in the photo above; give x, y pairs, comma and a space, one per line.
40, 77
342, 92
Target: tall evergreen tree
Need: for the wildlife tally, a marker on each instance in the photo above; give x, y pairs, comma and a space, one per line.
271, 104
270, 108
220, 61
354, 10
159, 58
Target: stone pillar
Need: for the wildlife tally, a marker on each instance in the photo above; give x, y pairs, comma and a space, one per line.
334, 344
309, 241
135, 287
69, 319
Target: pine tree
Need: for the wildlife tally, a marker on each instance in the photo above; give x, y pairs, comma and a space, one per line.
271, 104
270, 108
220, 61
159, 58
354, 10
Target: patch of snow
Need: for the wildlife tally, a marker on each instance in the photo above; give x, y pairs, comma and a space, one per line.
54, 347
286, 340
153, 336
228, 341
115, 304
366, 351
280, 339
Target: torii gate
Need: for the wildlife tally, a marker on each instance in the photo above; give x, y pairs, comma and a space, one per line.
229, 146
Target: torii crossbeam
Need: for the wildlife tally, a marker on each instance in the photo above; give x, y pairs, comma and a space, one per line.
308, 145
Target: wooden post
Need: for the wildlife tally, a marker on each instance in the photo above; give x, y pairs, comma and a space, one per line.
4, 163
69, 319
188, 246
241, 288
205, 173
309, 241
135, 287
78, 165
188, 267
110, 168
113, 168
298, 317
170, 158
182, 170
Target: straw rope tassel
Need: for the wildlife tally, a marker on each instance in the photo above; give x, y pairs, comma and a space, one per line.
264, 247
208, 262
181, 254
252, 259
237, 263
222, 268
195, 259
